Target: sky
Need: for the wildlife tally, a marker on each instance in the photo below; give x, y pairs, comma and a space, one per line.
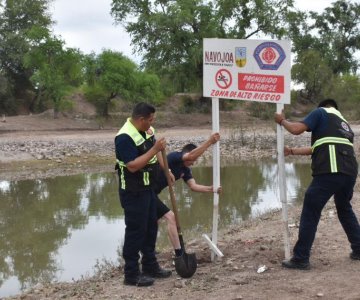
88, 25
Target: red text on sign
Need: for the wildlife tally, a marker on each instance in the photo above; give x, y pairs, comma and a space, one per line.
266, 97
261, 83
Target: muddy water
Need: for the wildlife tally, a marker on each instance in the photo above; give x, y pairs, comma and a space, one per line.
58, 229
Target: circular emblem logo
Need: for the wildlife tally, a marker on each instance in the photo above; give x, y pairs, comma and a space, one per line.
149, 131
268, 55
345, 126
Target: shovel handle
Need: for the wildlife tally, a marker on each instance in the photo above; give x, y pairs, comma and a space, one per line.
171, 190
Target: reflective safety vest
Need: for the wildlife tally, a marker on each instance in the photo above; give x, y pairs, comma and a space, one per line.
144, 178
332, 150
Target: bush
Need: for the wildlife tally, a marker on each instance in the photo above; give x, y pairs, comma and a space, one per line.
189, 104
264, 111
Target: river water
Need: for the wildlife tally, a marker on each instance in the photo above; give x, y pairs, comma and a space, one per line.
60, 229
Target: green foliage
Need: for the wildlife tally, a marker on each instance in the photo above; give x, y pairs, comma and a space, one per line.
148, 88
116, 74
66, 105
312, 71
7, 104
346, 90
97, 96
228, 104
55, 70
170, 33
189, 104
108, 75
338, 28
335, 34
37, 67
264, 111
22, 25
111, 75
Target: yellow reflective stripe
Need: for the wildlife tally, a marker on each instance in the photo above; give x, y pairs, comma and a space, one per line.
331, 140
146, 178
122, 177
153, 160
333, 163
120, 163
129, 129
138, 139
332, 110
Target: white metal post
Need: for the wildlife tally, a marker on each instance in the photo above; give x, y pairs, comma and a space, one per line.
216, 170
282, 182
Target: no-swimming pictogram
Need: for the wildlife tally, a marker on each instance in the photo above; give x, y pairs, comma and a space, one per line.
223, 78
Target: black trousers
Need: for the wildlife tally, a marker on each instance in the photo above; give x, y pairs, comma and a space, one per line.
140, 231
317, 195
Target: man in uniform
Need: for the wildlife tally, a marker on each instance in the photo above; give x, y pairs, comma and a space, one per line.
334, 171
179, 163
137, 154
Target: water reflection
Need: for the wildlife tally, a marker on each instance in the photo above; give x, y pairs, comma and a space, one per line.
56, 228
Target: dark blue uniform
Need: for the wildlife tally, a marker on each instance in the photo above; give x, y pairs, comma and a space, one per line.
140, 216
334, 176
176, 165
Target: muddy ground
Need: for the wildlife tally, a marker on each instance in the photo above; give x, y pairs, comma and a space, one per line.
34, 147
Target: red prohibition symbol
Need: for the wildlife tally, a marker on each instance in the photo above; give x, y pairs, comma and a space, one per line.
223, 78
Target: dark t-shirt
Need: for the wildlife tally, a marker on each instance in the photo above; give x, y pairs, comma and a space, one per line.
176, 165
317, 120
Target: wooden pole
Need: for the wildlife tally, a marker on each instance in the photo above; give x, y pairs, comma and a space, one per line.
282, 182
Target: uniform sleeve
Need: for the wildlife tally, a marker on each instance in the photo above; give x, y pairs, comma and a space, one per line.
175, 158
187, 174
315, 119
125, 148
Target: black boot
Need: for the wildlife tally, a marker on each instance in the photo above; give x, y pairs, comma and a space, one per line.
355, 255
140, 280
296, 264
157, 272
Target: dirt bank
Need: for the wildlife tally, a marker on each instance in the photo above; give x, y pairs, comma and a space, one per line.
42, 153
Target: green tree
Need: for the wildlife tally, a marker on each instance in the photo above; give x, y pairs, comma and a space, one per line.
346, 90
170, 34
313, 72
111, 75
19, 19
55, 70
7, 104
339, 32
335, 34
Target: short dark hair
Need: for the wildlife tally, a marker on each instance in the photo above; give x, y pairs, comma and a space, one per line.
142, 109
187, 148
328, 102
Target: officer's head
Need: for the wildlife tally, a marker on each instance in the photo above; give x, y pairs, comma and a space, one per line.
143, 116
186, 149
328, 103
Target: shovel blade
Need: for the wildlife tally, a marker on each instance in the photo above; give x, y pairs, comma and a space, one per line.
185, 265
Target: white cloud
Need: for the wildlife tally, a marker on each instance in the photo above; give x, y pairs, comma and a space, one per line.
88, 25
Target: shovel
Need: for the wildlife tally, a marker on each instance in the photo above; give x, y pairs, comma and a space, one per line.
185, 265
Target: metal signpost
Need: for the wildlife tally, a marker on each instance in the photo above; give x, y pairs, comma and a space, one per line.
250, 70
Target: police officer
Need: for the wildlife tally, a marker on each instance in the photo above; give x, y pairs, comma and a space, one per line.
137, 154
334, 171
